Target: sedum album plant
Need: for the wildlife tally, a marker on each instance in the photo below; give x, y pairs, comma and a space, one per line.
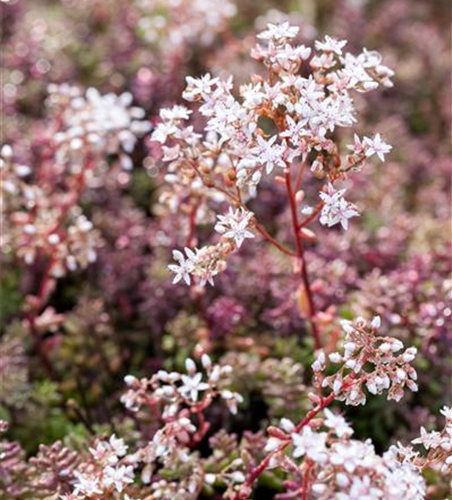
282, 124
285, 124
265, 383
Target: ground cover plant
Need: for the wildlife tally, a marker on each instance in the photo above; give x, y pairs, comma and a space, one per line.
225, 250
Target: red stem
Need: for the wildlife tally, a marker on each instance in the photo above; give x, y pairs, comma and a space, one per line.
43, 288
299, 176
311, 217
270, 239
301, 259
32, 315
304, 493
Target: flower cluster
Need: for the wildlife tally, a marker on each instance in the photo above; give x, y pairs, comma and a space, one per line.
95, 125
178, 401
335, 467
44, 223
437, 444
276, 148
235, 153
107, 473
378, 364
335, 209
204, 263
173, 390
332, 463
207, 262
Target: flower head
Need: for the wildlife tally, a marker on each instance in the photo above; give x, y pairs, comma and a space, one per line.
269, 153
279, 32
336, 210
234, 225
376, 146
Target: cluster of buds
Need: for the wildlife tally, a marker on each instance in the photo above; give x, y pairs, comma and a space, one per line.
368, 361
234, 154
107, 472
94, 125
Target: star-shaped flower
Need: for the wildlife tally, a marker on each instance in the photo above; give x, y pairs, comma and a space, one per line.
184, 265
336, 210
376, 146
192, 385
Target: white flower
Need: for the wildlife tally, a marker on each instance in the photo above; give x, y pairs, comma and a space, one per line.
210, 478
86, 484
358, 145
295, 130
199, 87
319, 363
376, 146
279, 32
269, 153
162, 131
118, 477
331, 45
376, 322
428, 439
175, 113
234, 225
290, 57
184, 267
232, 399
338, 424
192, 385
118, 447
309, 443
336, 209
446, 412
273, 443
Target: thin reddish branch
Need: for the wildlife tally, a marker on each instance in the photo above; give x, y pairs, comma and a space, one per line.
43, 293
300, 173
238, 202
298, 240
301, 259
304, 492
41, 299
314, 214
270, 239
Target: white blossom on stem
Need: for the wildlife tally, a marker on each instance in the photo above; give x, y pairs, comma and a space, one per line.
336, 210
376, 146
234, 225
